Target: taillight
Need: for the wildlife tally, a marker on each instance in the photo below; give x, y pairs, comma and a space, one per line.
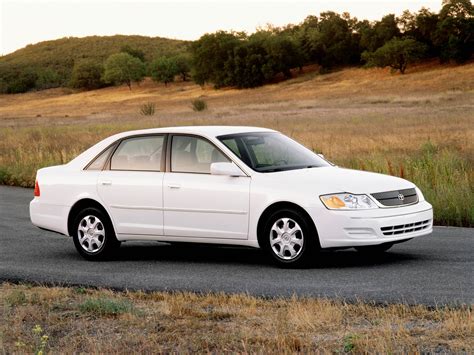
37, 189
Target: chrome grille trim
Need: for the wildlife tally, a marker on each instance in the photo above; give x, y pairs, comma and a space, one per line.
391, 198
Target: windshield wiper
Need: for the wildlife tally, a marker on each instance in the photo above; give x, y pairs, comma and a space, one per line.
273, 170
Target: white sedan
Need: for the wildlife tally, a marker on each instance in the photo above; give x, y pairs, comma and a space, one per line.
225, 185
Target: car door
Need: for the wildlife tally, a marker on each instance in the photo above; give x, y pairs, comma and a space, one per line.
132, 185
198, 204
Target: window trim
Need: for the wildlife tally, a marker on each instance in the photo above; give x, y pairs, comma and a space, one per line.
98, 155
232, 135
108, 165
165, 166
169, 147
119, 141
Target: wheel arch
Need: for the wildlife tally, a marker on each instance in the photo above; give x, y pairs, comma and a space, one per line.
276, 206
80, 205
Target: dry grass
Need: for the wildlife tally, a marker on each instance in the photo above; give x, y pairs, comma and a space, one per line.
71, 320
419, 126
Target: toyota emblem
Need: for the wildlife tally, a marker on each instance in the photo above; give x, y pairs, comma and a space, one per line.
401, 197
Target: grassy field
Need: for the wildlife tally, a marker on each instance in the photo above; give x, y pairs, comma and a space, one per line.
419, 126
79, 320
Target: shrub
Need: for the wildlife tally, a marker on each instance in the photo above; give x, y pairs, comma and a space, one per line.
147, 109
199, 105
105, 307
16, 298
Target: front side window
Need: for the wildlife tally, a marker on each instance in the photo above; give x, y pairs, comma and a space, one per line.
191, 154
271, 152
138, 154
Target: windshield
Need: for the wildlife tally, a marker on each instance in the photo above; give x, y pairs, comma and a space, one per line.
271, 151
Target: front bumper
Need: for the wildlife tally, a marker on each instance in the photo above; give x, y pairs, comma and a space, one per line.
371, 227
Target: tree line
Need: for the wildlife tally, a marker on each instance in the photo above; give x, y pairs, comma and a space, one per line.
236, 59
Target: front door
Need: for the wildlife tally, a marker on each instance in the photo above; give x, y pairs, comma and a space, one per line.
198, 204
132, 186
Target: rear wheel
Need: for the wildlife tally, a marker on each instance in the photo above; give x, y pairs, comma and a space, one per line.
94, 236
289, 238
374, 249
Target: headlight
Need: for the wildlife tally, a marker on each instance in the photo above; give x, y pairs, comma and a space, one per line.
347, 201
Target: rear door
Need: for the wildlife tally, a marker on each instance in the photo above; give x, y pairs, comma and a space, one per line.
132, 185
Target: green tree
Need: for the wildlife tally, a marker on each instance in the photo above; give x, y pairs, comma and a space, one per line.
87, 74
164, 70
454, 33
122, 68
137, 53
330, 40
283, 54
17, 79
396, 53
245, 66
47, 79
183, 62
210, 55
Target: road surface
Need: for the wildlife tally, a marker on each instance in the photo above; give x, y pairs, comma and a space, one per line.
431, 270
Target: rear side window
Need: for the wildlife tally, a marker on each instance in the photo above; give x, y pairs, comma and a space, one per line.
138, 154
99, 162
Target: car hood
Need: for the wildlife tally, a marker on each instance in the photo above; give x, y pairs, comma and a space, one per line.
335, 179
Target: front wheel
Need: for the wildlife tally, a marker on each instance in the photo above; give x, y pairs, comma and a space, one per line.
94, 236
289, 238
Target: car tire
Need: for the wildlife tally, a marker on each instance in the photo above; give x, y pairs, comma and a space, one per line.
374, 249
93, 235
290, 239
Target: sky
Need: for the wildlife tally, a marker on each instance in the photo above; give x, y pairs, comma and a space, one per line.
30, 21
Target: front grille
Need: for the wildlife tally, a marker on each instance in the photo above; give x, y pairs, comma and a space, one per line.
406, 228
396, 197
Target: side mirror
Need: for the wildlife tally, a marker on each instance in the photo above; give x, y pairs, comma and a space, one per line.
227, 169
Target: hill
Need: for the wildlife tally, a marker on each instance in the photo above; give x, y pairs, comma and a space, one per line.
55, 59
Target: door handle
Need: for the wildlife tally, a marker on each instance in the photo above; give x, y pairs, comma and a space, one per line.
106, 182
174, 186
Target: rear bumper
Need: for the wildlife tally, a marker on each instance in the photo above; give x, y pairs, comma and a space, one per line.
372, 227
50, 217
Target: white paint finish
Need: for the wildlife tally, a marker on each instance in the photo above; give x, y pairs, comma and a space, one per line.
206, 206
134, 199
218, 208
334, 227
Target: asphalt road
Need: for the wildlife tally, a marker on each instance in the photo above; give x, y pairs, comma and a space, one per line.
432, 270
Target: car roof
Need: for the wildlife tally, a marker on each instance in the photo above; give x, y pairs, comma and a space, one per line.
209, 131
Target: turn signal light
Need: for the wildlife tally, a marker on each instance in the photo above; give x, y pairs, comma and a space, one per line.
37, 189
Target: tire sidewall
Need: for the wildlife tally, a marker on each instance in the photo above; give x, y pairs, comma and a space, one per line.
308, 239
110, 240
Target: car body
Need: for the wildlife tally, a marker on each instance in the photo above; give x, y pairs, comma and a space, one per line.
200, 184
